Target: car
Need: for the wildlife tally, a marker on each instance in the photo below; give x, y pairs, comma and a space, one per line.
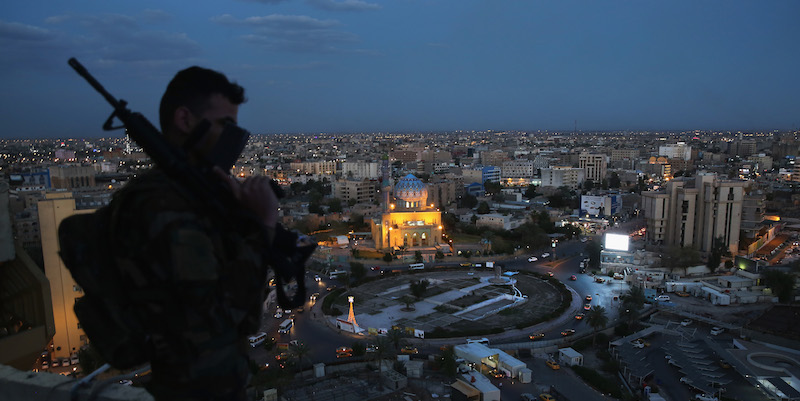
527, 397
56, 363
497, 374
532, 259
331, 288
317, 278
599, 280
283, 356
637, 344
408, 349
468, 264
686, 322
717, 331
314, 297
579, 316
582, 270
278, 314
662, 298
552, 364
588, 298
65, 362
568, 332
73, 359
723, 364
546, 397
573, 278
681, 294
300, 310
536, 336
705, 397
343, 355
545, 255
550, 274
587, 306
126, 382
685, 380
371, 348
344, 350
45, 364
584, 239
375, 268
643, 341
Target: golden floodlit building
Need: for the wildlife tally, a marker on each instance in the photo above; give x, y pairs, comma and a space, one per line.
408, 220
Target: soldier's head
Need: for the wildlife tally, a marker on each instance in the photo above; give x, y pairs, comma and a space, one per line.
196, 94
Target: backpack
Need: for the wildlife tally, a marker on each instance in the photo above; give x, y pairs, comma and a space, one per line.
104, 310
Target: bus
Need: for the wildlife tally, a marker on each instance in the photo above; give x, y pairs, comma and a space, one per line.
285, 326
416, 266
257, 339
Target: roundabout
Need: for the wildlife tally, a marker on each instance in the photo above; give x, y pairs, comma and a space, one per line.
453, 303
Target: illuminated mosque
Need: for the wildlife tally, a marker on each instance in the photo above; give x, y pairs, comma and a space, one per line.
407, 220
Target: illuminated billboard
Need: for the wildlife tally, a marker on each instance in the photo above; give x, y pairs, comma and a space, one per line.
617, 242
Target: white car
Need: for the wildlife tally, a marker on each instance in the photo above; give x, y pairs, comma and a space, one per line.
686, 322
532, 259
74, 359
717, 330
705, 397
662, 298
637, 344
545, 255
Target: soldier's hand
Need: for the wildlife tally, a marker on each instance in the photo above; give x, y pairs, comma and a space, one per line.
255, 194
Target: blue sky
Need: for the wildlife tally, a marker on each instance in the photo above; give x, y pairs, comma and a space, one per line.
411, 65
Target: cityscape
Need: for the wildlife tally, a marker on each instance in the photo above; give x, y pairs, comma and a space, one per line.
474, 265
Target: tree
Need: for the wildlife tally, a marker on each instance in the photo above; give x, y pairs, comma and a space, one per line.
530, 192
614, 181
418, 256
418, 288
492, 188
439, 255
357, 271
680, 257
409, 301
593, 249
314, 207
468, 201
588, 185
632, 303
387, 257
718, 250
781, 284
299, 351
397, 338
483, 208
449, 361
473, 219
335, 205
597, 319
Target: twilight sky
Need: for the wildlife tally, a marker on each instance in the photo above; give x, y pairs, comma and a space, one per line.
411, 65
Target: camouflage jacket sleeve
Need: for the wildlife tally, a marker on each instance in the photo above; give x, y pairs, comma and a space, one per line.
201, 281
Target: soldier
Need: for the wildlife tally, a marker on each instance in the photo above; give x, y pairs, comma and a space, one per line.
197, 278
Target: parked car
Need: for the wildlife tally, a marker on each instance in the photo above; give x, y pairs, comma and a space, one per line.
552, 364
546, 397
637, 344
536, 336
573, 278
73, 359
550, 274
717, 331
682, 294
686, 322
568, 332
545, 255
662, 298
45, 364
532, 259
375, 268
408, 349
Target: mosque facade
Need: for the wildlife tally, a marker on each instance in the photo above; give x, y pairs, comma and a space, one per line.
408, 220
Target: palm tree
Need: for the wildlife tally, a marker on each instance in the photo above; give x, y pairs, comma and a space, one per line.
597, 319
382, 351
632, 303
396, 337
300, 352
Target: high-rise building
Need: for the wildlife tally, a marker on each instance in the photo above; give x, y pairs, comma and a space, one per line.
594, 165
694, 212
69, 336
679, 150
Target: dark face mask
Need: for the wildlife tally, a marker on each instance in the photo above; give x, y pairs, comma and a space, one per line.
228, 148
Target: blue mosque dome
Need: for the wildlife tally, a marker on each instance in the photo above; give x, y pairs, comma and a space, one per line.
411, 189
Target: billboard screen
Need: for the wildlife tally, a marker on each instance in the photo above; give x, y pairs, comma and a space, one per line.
617, 242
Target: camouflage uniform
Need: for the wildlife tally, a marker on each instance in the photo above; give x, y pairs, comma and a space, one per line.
198, 281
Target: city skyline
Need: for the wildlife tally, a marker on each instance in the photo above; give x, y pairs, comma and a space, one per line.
375, 66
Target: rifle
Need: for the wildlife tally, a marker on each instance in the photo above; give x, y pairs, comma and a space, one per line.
289, 251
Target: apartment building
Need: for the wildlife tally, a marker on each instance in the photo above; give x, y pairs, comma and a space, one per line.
562, 177
594, 165
694, 211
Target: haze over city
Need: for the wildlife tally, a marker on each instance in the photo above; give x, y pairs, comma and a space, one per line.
370, 66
